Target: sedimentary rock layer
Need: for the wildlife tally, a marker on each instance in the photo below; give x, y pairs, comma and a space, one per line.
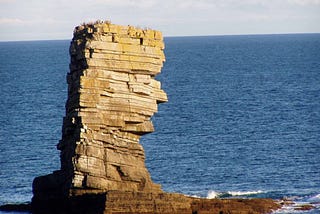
112, 95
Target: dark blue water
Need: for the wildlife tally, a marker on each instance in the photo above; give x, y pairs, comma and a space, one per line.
243, 117
32, 95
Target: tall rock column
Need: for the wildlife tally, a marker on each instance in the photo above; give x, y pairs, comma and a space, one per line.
111, 98
112, 95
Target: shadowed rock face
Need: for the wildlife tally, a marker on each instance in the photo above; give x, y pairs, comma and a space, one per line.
112, 94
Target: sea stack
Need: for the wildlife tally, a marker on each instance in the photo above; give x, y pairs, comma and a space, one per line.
112, 94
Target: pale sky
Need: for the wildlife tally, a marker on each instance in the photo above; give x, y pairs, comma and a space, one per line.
56, 19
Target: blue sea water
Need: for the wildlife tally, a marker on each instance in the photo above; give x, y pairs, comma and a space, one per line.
243, 117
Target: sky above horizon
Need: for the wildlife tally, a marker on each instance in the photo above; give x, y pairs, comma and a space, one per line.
56, 19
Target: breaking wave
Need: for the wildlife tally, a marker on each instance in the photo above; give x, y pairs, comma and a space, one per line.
294, 204
214, 194
300, 205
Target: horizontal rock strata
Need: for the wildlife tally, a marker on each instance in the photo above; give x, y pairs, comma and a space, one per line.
112, 94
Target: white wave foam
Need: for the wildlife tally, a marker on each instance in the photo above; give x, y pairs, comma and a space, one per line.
297, 202
239, 193
314, 199
214, 194
193, 196
295, 207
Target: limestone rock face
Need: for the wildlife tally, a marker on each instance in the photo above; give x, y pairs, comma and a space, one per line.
112, 94
111, 98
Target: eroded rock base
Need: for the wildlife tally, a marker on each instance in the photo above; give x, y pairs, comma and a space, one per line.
118, 202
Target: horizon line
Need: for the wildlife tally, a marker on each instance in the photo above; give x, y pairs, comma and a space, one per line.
175, 36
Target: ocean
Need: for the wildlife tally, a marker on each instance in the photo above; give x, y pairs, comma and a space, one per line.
243, 117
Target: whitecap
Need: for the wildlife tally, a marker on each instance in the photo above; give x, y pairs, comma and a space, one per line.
214, 194
244, 193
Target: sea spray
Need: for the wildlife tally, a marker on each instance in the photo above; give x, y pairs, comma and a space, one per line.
212, 194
